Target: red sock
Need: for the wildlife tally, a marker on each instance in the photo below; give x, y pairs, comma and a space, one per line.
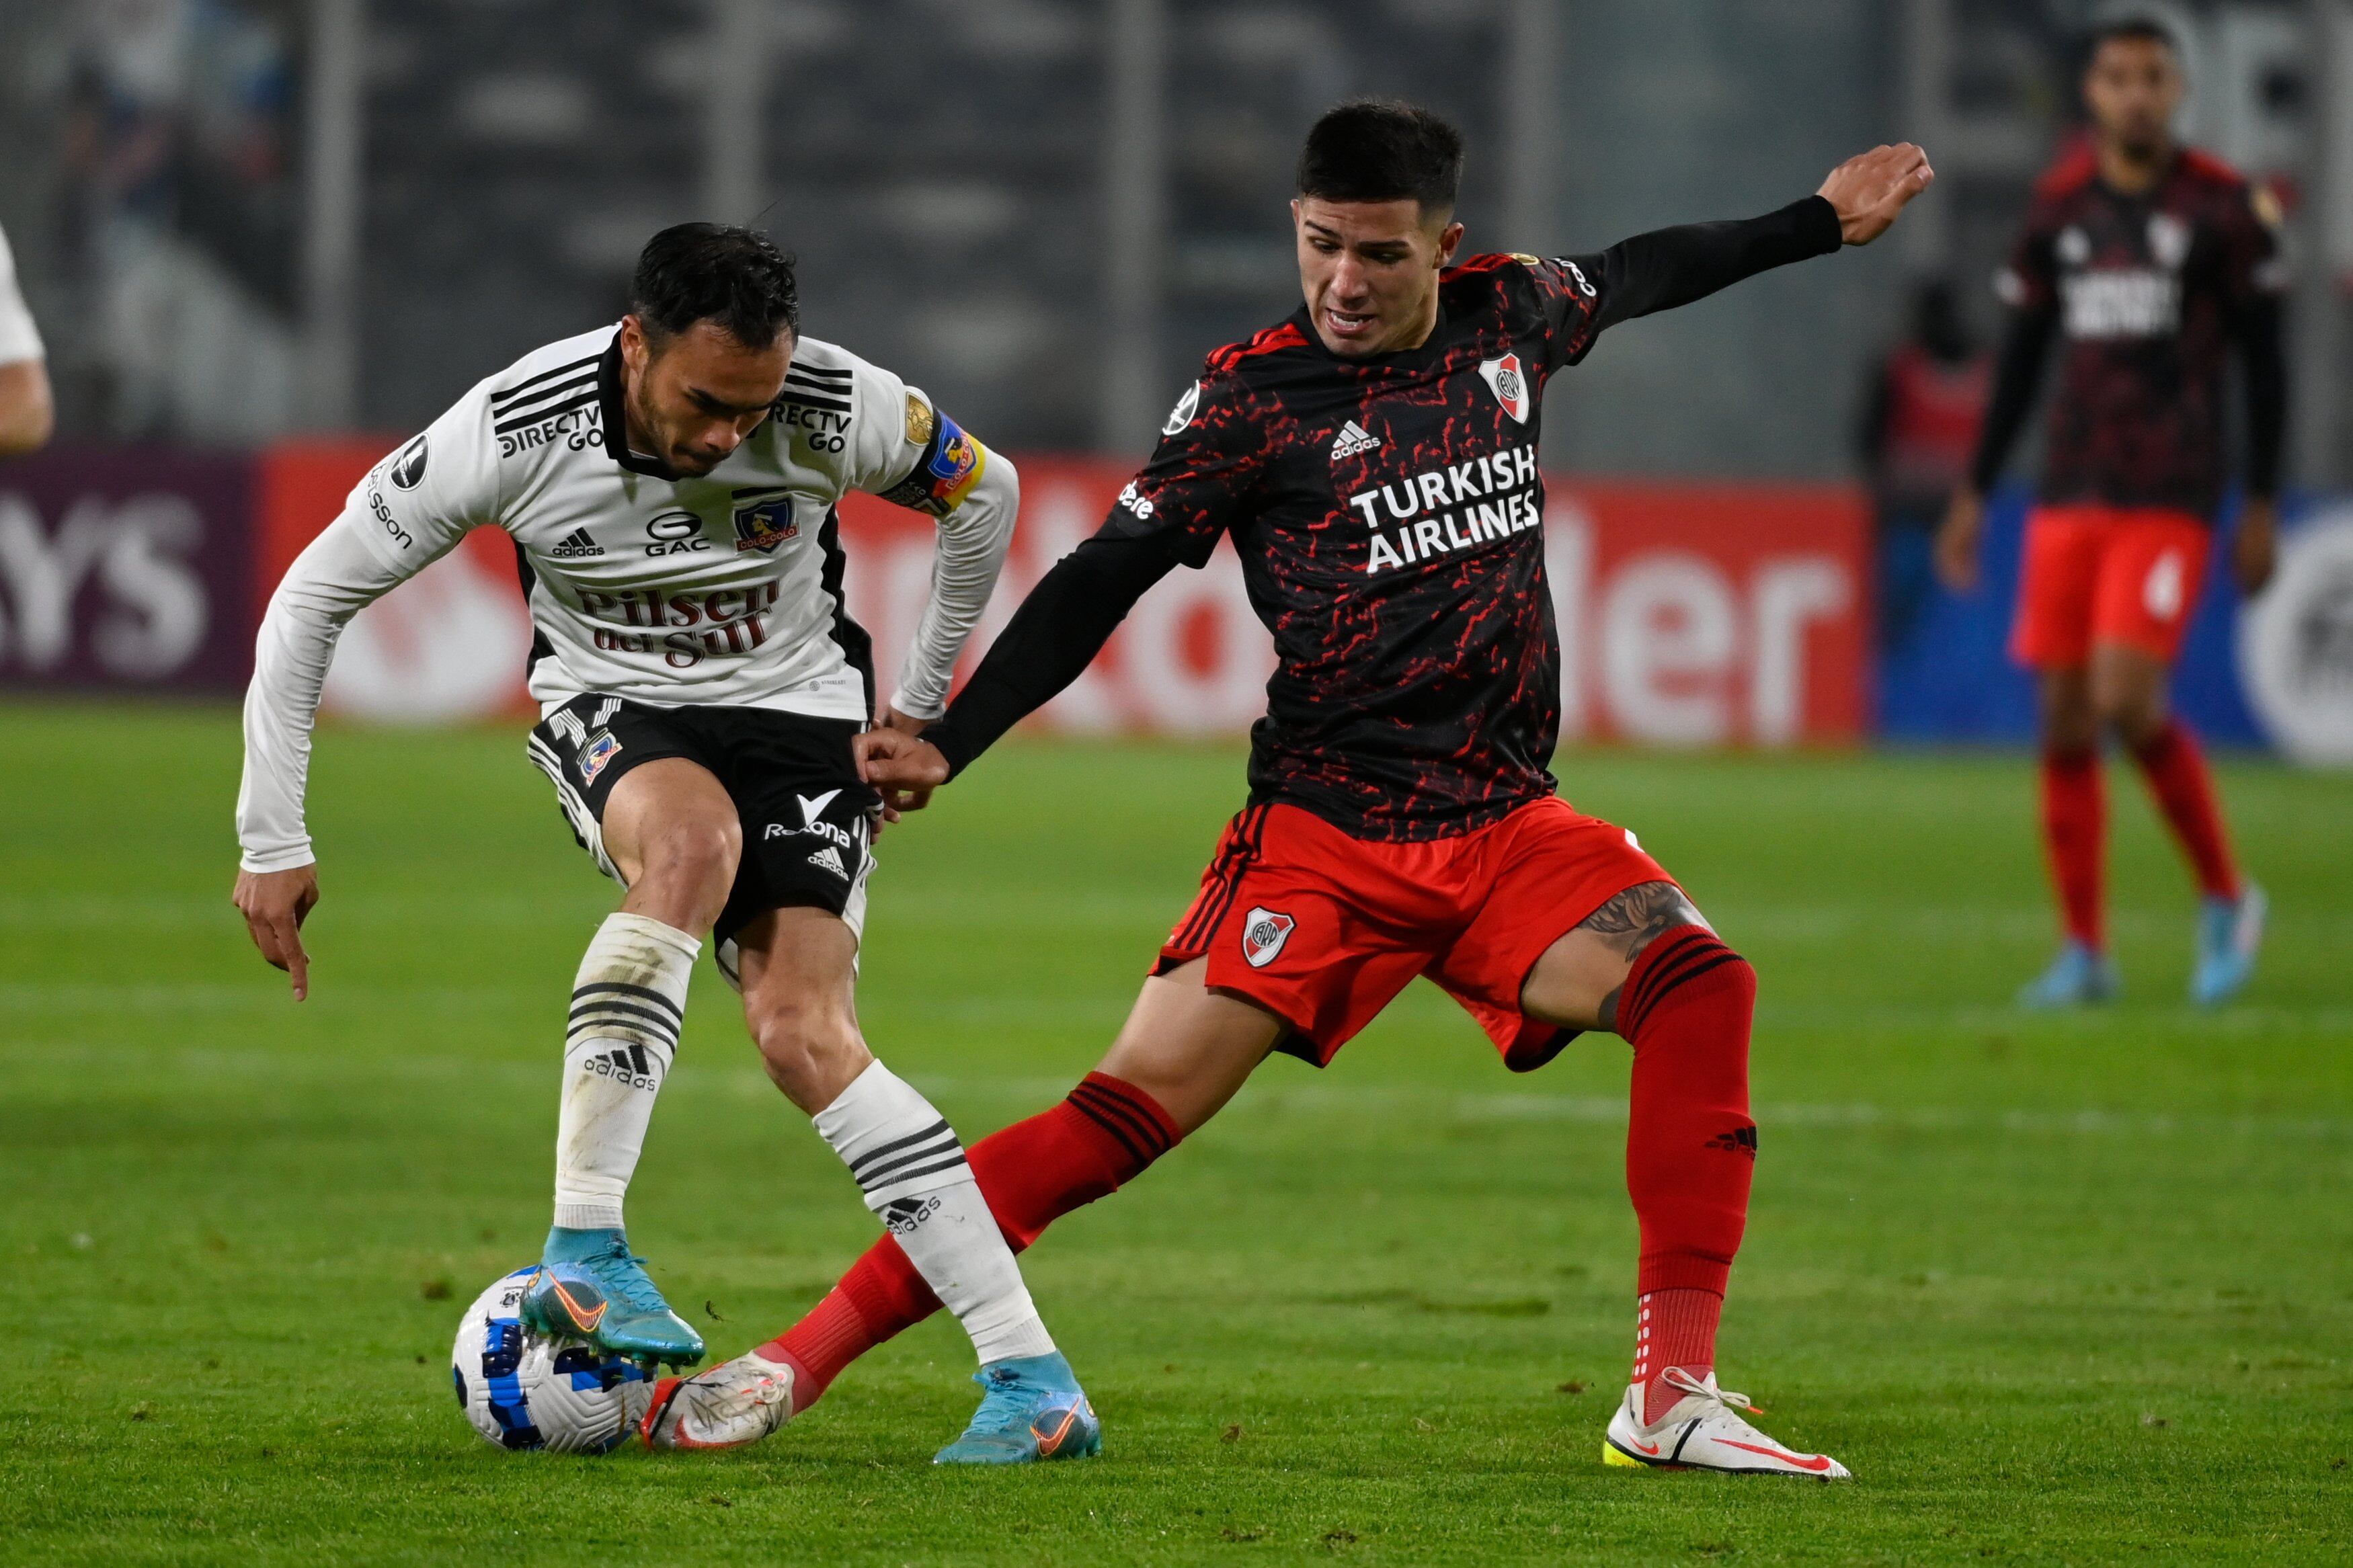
1675, 1328
1031, 1173
2175, 770
2075, 834
1691, 1145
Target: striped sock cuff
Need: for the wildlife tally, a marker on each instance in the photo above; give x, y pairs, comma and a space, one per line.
1666, 967
1132, 1119
895, 1165
611, 1009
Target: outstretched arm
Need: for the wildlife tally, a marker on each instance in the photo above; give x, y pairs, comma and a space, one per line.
277, 880
1671, 266
1050, 642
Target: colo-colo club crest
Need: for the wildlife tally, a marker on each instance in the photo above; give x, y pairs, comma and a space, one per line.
763, 523
1509, 383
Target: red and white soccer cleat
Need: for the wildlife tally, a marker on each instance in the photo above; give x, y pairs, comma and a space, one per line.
1700, 1431
735, 1402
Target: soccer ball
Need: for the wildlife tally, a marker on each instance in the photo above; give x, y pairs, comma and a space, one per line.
523, 1390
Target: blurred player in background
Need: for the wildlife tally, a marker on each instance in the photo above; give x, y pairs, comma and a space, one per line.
1374, 460
27, 415
2151, 261
1920, 422
671, 484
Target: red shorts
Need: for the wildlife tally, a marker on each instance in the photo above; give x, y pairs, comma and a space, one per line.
1322, 930
2107, 574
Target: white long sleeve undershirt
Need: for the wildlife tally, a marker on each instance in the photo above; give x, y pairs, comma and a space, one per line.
973, 540
331, 581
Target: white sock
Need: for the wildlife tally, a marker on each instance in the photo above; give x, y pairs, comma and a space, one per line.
912, 1167
626, 1006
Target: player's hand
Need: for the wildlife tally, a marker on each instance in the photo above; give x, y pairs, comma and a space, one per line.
2254, 549
1957, 540
906, 770
275, 904
1870, 189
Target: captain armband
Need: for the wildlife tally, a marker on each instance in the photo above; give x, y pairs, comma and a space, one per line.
951, 464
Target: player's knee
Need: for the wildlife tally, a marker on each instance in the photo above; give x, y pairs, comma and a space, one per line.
2134, 717
810, 1046
694, 861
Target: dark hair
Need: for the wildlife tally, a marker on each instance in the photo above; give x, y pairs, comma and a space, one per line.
712, 272
1379, 149
2132, 29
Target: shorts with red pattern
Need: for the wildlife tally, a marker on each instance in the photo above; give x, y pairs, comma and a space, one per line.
1323, 929
2107, 574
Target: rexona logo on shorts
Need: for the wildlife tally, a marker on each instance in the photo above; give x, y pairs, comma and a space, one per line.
1263, 935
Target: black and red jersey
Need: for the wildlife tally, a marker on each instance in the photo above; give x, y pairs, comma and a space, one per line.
1387, 516
2146, 293
1387, 512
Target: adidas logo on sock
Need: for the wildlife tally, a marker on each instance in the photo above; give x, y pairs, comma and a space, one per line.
577, 545
1352, 439
629, 1065
830, 858
902, 1215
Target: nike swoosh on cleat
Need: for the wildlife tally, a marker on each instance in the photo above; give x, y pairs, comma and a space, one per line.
587, 1321
1049, 1441
1815, 1462
1646, 1447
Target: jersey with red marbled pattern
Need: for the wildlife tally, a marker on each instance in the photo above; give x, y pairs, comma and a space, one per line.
1389, 517
2147, 291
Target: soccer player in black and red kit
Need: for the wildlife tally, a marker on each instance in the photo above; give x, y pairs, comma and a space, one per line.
2152, 262
1374, 460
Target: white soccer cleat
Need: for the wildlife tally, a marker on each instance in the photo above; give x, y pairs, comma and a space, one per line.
1702, 1432
735, 1402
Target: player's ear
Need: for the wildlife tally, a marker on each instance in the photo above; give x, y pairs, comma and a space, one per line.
1450, 239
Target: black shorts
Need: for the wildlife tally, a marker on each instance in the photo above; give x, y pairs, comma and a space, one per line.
808, 824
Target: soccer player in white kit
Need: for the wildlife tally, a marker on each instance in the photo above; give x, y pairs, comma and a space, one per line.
26, 413
671, 485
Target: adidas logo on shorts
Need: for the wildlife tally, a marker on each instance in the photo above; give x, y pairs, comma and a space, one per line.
1352, 439
575, 546
830, 858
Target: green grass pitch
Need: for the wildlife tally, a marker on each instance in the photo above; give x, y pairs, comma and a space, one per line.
2077, 1289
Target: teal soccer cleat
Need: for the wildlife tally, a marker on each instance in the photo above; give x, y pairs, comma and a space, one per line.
2078, 977
1033, 1409
589, 1287
2229, 932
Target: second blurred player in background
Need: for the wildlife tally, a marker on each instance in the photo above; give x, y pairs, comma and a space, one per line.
2153, 261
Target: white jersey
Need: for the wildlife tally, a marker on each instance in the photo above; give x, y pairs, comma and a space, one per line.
19, 339
720, 590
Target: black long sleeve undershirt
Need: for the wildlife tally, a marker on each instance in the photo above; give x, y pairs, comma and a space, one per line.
1671, 266
2016, 377
1076, 607
1051, 640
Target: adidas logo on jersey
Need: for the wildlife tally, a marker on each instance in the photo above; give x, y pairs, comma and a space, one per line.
1352, 439
628, 1065
575, 546
830, 858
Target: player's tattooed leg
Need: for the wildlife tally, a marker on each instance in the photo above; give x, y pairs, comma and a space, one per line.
1633, 921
